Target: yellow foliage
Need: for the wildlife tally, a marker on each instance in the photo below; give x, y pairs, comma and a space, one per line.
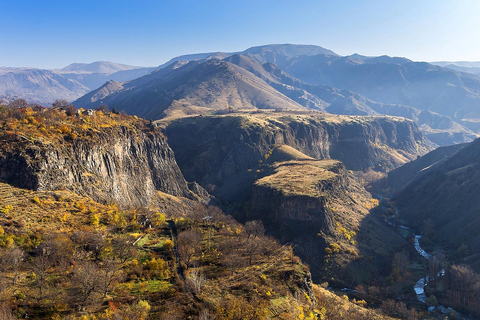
159, 220
168, 245
95, 220
6, 209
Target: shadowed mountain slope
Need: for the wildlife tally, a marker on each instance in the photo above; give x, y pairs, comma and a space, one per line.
447, 196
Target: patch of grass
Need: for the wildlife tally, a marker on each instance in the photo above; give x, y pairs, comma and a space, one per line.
150, 286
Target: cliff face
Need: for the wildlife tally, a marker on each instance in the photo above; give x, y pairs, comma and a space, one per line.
298, 192
119, 164
218, 151
318, 207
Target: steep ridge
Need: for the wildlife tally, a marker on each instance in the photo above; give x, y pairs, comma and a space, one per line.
393, 81
192, 88
440, 129
241, 82
401, 177
224, 153
110, 158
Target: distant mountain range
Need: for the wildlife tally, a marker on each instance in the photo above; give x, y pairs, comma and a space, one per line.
462, 66
289, 77
37, 85
45, 86
444, 102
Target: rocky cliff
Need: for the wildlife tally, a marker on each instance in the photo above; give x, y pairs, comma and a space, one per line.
224, 153
123, 163
319, 208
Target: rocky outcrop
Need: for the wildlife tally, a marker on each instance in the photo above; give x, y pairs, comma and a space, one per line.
297, 195
119, 164
319, 208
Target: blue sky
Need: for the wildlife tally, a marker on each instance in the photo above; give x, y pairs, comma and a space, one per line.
53, 34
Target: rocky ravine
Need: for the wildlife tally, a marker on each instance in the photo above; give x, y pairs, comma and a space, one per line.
121, 165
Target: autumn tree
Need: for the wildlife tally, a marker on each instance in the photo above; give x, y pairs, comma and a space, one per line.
400, 263
123, 248
40, 266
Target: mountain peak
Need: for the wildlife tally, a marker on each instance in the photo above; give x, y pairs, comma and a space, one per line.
291, 50
105, 67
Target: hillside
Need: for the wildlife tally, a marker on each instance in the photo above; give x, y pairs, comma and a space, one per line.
95, 74
264, 166
393, 81
83, 265
446, 196
399, 178
105, 67
192, 88
256, 79
105, 227
45, 86
440, 129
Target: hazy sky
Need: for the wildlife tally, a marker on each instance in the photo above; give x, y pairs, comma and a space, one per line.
53, 34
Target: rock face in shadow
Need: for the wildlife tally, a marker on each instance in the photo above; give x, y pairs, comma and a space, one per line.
120, 165
225, 153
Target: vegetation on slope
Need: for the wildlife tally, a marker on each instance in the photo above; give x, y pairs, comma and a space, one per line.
23, 122
67, 257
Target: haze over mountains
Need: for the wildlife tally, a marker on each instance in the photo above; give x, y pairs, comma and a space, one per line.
45, 86
444, 102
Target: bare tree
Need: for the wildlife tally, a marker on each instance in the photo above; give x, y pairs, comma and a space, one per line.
40, 266
18, 104
11, 260
465, 281
110, 274
254, 228
197, 279
87, 278
399, 264
60, 103
230, 250
123, 248
188, 244
252, 247
90, 241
